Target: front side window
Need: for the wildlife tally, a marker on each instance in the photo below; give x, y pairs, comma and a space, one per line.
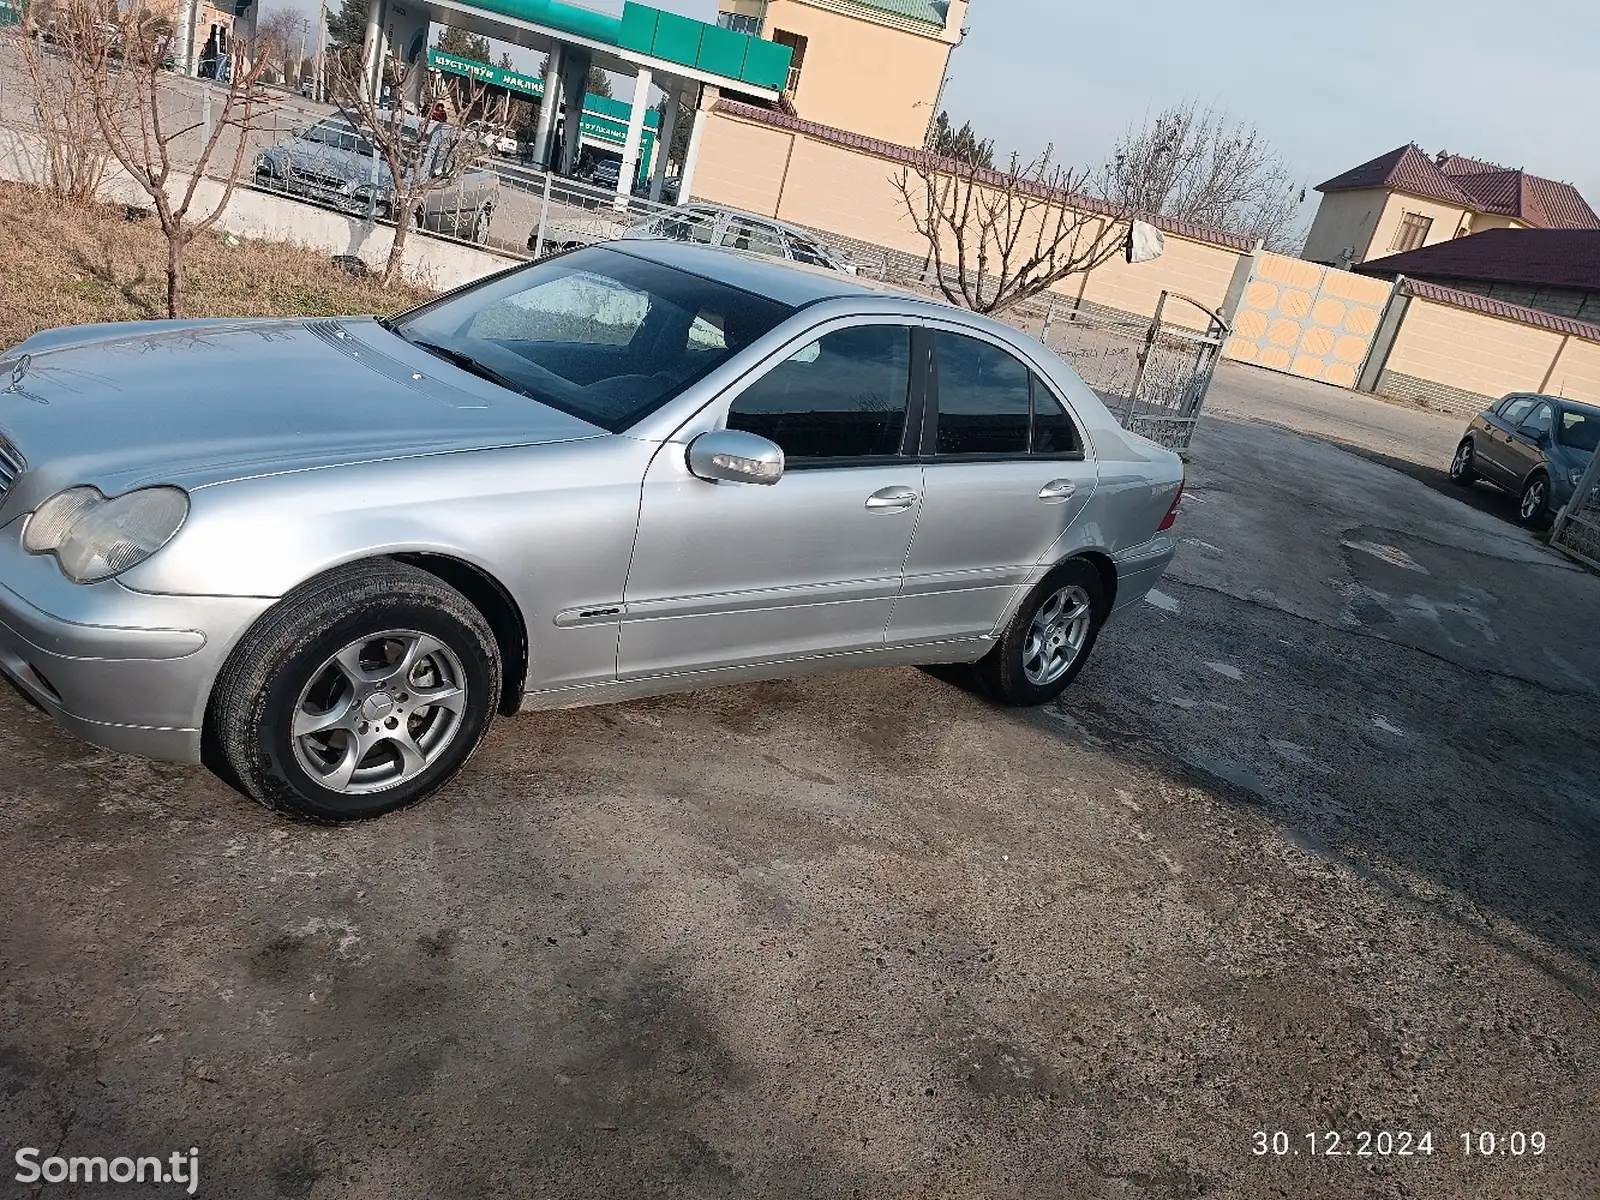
1537, 422
983, 398
596, 333
1580, 430
843, 396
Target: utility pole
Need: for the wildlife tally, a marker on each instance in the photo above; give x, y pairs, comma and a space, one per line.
322, 33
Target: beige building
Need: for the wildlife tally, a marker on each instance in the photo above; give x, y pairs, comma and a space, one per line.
873, 67
1405, 200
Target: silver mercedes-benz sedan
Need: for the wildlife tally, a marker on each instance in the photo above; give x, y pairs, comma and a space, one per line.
318, 555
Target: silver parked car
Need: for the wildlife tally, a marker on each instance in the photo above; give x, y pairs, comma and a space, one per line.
639, 468
333, 163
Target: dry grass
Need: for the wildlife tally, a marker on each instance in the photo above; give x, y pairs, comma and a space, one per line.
67, 266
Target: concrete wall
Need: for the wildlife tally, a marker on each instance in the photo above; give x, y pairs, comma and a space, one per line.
851, 193
1455, 358
429, 262
870, 78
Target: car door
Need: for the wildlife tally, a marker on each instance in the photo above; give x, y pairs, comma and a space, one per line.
1525, 449
1006, 478
731, 574
1495, 448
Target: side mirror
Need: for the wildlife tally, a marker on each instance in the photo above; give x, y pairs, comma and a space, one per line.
735, 457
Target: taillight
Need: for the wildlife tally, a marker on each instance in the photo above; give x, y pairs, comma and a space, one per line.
1168, 521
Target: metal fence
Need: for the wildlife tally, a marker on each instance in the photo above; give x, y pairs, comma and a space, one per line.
1577, 528
1153, 373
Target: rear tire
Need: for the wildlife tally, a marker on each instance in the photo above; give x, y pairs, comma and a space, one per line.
1462, 470
1049, 638
360, 692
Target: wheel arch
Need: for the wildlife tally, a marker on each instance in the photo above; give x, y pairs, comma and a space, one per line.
491, 598
1105, 566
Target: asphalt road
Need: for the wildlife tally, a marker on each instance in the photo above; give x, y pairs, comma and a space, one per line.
1309, 846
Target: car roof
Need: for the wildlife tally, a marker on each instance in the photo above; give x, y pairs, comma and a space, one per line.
794, 284
1558, 401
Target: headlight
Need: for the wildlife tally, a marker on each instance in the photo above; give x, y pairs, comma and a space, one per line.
94, 538
1575, 477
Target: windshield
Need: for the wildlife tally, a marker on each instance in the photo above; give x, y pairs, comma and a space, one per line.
599, 334
1579, 429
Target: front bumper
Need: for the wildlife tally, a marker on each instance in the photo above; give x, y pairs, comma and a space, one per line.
125, 670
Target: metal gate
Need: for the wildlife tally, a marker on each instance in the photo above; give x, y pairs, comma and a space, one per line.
1174, 374
1308, 320
1153, 375
1577, 529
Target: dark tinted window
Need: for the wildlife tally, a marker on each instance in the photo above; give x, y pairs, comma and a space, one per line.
841, 397
1513, 410
1053, 431
596, 333
1538, 421
1579, 429
983, 398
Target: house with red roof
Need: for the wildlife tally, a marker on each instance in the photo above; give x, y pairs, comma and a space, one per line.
1405, 200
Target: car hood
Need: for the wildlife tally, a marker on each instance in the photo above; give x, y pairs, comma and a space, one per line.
200, 402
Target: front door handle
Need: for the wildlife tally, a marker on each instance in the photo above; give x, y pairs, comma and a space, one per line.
892, 499
1058, 491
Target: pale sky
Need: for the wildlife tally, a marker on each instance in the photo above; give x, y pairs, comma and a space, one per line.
1331, 83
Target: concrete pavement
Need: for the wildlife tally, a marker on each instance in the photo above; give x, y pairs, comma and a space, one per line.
1309, 846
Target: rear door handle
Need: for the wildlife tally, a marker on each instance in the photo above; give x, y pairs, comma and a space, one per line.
892, 499
1058, 491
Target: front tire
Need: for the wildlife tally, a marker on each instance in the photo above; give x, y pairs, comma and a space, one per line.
1462, 470
1533, 508
363, 691
1048, 640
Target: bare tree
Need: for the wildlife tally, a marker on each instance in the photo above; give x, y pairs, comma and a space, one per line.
999, 237
74, 152
416, 156
1202, 165
116, 60
280, 38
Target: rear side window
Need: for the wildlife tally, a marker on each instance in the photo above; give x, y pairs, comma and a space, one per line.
983, 398
843, 396
1514, 410
1053, 430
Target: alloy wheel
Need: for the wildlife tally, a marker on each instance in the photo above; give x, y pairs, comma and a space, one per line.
1056, 635
1462, 460
1533, 499
379, 712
